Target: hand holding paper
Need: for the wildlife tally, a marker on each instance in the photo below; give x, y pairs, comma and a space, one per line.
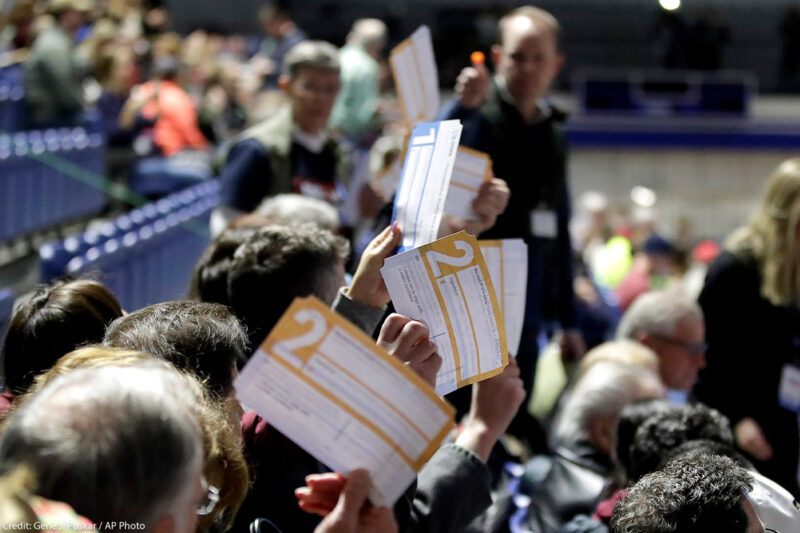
471, 170
482, 207
446, 285
368, 286
328, 387
491, 202
409, 341
353, 514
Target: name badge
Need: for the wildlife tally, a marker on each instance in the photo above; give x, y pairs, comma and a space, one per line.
789, 391
544, 223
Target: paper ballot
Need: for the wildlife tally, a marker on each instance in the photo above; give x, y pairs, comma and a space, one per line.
507, 261
470, 170
420, 199
327, 386
416, 77
446, 285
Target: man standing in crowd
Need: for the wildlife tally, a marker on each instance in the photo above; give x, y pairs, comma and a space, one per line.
291, 151
508, 118
356, 109
54, 72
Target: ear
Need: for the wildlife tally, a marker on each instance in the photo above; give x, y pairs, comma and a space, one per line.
283, 82
644, 339
497, 55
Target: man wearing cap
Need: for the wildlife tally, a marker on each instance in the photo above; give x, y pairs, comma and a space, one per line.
53, 72
292, 151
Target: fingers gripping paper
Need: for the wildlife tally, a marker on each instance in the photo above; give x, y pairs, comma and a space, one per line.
328, 387
507, 261
415, 76
446, 285
420, 199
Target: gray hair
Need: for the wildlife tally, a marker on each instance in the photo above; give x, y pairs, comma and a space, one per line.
317, 54
369, 34
292, 209
657, 312
604, 389
118, 444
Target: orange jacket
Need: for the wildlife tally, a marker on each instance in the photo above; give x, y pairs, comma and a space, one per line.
176, 127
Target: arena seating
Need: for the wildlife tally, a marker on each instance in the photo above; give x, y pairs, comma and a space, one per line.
13, 112
48, 177
144, 256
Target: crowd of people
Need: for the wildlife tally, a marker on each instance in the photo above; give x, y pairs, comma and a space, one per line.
680, 411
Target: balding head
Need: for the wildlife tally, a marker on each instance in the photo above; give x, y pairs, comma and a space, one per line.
117, 444
670, 324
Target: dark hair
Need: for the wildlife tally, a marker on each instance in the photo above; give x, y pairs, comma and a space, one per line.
57, 319
630, 418
276, 265
708, 446
663, 432
697, 492
210, 278
202, 338
276, 8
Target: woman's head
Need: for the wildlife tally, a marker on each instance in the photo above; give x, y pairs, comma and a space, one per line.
57, 319
772, 237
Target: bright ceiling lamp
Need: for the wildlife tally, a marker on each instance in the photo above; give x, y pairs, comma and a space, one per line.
670, 5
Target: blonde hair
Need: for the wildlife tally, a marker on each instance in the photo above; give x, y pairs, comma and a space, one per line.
621, 351
771, 236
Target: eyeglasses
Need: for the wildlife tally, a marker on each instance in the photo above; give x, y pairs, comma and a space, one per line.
210, 498
693, 348
323, 90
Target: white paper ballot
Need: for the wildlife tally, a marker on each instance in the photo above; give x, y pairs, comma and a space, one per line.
416, 77
507, 261
446, 285
328, 387
470, 170
419, 202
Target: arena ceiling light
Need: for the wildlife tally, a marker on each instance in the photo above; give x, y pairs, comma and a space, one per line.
670, 5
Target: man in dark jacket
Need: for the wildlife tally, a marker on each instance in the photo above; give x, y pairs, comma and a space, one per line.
508, 117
